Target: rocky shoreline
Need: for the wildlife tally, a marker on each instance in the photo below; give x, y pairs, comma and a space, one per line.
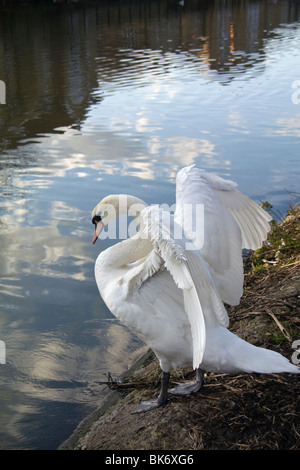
232, 411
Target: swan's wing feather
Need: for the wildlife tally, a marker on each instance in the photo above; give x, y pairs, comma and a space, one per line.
141, 271
252, 220
199, 209
190, 273
229, 222
203, 282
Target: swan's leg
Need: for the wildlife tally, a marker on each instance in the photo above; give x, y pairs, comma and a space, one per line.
190, 387
162, 398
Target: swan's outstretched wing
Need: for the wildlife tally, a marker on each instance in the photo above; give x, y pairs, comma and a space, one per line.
252, 220
221, 221
190, 274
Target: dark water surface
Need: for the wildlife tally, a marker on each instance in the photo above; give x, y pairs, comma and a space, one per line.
112, 98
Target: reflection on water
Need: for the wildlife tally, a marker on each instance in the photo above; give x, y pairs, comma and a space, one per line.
117, 97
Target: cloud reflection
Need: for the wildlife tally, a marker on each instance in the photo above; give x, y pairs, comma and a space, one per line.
43, 251
288, 127
133, 157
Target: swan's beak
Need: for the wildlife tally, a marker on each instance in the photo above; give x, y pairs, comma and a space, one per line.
98, 229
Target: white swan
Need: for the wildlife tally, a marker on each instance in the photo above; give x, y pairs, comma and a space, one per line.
171, 295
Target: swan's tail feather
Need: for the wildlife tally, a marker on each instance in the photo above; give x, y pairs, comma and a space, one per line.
270, 362
237, 355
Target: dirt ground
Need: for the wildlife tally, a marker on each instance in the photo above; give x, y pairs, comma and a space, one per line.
241, 411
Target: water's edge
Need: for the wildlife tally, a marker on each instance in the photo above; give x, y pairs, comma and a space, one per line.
146, 356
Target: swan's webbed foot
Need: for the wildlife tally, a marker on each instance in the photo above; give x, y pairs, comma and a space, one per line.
147, 406
185, 389
189, 387
156, 402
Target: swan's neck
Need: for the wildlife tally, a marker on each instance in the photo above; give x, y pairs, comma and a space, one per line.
115, 261
131, 249
128, 251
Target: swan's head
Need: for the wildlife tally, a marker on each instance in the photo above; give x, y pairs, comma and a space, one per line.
112, 207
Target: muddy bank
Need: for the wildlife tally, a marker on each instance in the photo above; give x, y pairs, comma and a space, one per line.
241, 411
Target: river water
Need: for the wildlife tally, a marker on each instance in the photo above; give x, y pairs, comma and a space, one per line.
116, 97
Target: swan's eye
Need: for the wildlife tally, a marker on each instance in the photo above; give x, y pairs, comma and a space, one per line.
96, 219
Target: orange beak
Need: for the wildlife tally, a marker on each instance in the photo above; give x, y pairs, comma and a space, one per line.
98, 228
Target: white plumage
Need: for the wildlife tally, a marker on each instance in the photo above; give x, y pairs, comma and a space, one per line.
170, 289
232, 221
